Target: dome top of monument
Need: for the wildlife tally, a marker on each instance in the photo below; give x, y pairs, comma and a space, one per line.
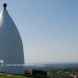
5, 5
6, 22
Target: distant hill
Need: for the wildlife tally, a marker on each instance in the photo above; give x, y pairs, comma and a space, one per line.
54, 66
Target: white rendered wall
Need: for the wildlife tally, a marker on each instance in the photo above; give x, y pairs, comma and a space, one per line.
11, 48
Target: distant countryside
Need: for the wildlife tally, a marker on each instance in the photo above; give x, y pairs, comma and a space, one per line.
58, 73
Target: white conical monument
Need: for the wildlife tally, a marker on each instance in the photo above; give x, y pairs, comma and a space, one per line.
11, 48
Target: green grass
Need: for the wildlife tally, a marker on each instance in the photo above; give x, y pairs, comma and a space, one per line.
11, 76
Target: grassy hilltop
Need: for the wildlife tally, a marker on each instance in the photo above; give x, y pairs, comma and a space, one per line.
11, 76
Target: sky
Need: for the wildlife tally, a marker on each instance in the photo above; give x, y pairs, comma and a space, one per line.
48, 28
